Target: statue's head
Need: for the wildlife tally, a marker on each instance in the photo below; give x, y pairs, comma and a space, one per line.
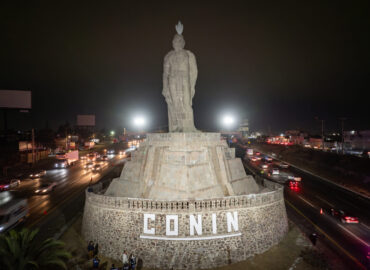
178, 42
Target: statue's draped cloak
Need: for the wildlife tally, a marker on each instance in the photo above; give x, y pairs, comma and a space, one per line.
179, 77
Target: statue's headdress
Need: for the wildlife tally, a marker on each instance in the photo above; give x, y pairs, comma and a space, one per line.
179, 28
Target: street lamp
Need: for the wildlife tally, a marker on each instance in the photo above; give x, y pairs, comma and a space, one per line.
112, 132
228, 121
139, 121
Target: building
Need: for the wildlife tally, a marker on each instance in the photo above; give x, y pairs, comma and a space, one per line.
244, 128
356, 140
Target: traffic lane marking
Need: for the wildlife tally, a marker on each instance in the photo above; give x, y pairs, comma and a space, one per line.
325, 201
307, 201
327, 236
355, 236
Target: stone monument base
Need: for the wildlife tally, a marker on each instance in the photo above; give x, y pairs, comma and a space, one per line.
177, 166
186, 234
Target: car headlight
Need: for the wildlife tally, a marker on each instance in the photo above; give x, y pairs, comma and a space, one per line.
1, 228
44, 190
37, 191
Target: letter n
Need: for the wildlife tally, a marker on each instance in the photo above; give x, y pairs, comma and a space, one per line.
197, 225
232, 220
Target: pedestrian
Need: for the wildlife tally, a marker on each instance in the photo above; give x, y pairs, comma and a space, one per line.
96, 249
126, 266
132, 262
90, 249
96, 262
113, 267
313, 238
124, 258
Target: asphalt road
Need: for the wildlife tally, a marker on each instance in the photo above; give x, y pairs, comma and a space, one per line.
50, 211
348, 240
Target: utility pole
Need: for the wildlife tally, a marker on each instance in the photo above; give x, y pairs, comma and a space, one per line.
322, 134
322, 131
342, 119
33, 146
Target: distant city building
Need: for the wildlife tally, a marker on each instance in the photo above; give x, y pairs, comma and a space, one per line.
356, 140
244, 128
296, 136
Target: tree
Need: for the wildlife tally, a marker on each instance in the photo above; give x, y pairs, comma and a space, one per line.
20, 251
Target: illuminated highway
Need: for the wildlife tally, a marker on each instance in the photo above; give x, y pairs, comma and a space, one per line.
304, 204
68, 193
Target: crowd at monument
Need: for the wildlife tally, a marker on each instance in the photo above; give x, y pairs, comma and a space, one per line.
128, 262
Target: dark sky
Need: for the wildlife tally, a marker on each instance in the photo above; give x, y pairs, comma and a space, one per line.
278, 64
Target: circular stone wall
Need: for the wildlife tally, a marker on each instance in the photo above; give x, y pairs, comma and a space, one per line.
186, 234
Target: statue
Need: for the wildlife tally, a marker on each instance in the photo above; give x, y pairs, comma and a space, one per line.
179, 77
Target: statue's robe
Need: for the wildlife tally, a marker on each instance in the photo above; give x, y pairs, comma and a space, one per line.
179, 77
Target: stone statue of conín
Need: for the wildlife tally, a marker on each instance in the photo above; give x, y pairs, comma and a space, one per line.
179, 77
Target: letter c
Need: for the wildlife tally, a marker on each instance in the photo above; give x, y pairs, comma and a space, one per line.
146, 230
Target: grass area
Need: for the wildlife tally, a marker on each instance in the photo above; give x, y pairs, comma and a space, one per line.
293, 252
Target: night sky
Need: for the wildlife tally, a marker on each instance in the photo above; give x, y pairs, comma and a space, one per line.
280, 65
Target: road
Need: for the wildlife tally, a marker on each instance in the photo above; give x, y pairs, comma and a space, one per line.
348, 240
49, 212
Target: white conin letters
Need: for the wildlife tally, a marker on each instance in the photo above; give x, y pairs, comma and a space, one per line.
214, 224
146, 218
175, 220
232, 221
197, 225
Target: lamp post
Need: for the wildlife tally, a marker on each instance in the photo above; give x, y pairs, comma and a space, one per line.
227, 123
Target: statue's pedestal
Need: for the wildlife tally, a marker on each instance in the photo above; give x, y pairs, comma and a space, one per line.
172, 166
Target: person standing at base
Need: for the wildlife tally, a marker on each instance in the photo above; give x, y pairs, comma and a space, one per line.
124, 258
90, 249
113, 267
96, 262
96, 249
132, 262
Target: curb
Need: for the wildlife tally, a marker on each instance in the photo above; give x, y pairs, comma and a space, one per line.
320, 177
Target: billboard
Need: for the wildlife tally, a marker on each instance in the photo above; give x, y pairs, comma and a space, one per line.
15, 99
86, 120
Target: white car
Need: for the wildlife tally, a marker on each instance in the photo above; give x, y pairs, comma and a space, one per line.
295, 178
265, 166
38, 174
275, 171
46, 188
89, 165
283, 165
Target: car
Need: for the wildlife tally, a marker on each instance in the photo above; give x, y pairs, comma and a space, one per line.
343, 216
275, 171
293, 185
89, 165
96, 168
9, 184
110, 151
83, 157
265, 166
12, 212
38, 174
105, 158
283, 165
295, 178
46, 188
253, 159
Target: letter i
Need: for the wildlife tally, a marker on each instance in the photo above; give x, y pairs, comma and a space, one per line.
214, 224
